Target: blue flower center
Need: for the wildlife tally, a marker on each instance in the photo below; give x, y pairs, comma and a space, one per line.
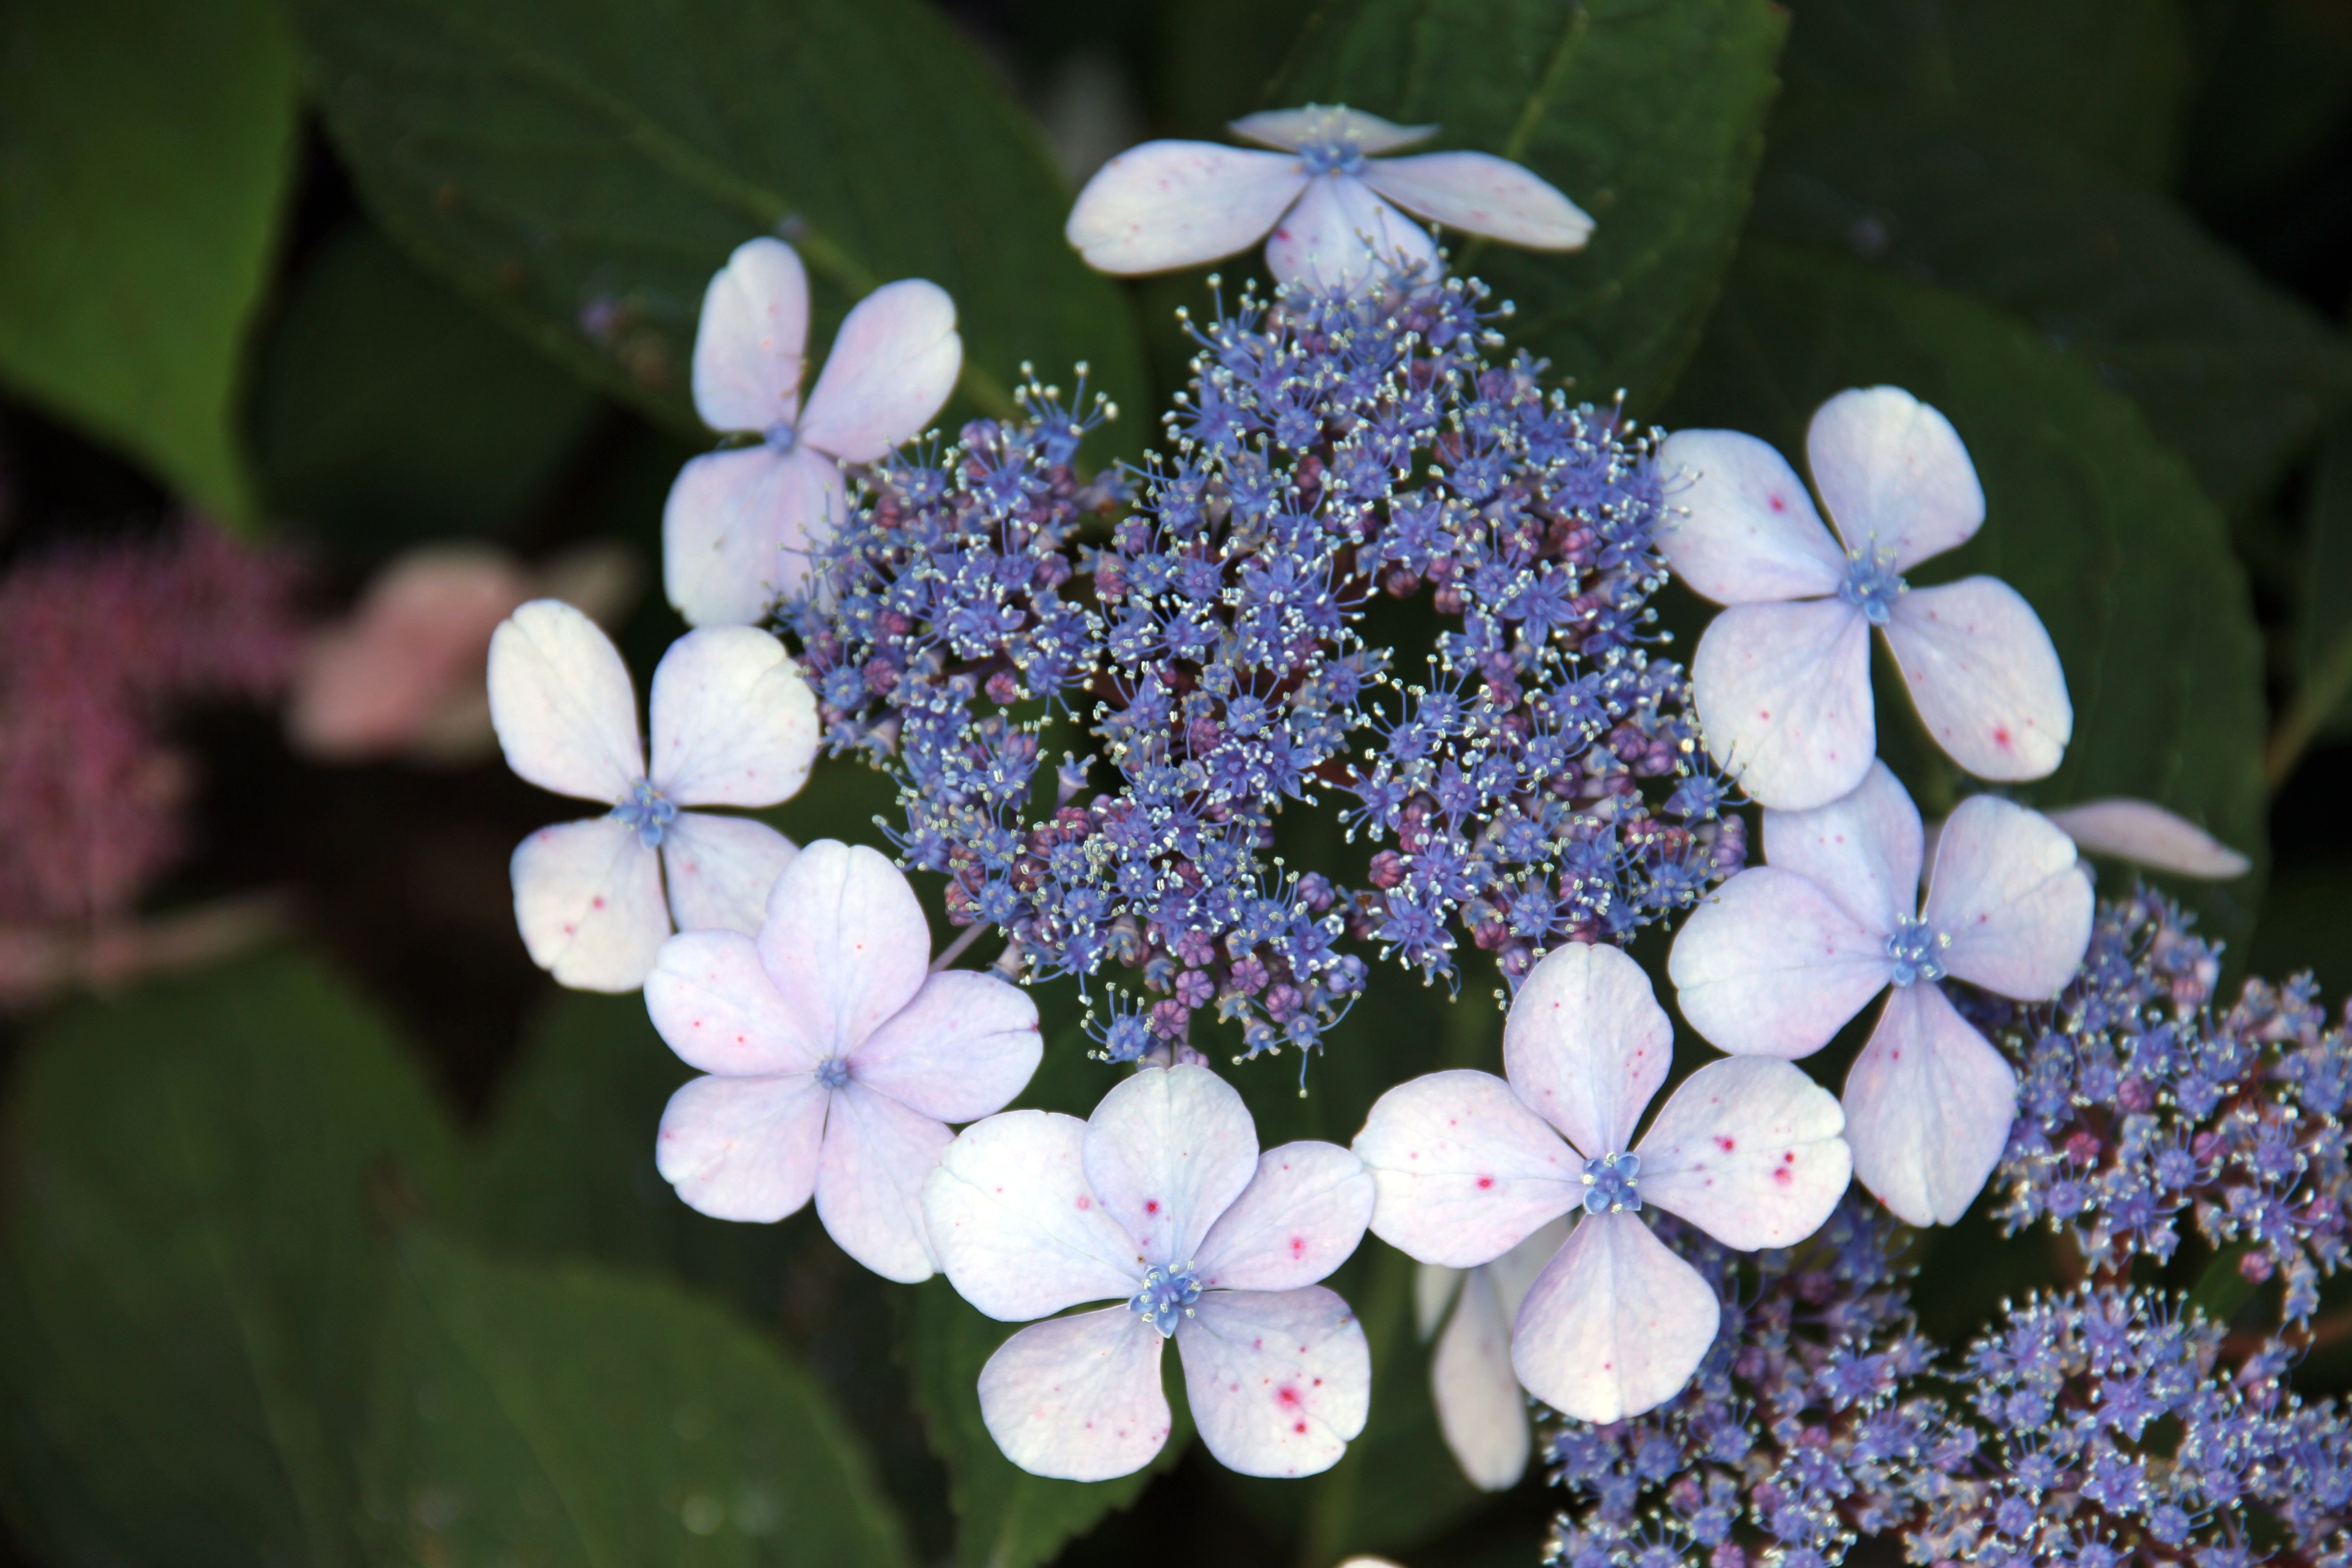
781, 438
1167, 1297
1917, 950
1872, 584
833, 1072
1612, 1184
648, 811
1330, 149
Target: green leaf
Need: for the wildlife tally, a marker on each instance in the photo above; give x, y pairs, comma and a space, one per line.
1007, 1517
389, 412
2303, 925
563, 1415
581, 167
188, 1277
147, 148
2087, 516
1649, 115
2322, 704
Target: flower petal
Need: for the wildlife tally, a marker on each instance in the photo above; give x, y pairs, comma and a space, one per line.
1586, 1044
844, 942
1984, 675
1463, 1169
1480, 1408
1771, 966
562, 702
1929, 1105
1340, 234
2146, 834
1300, 1218
1278, 1380
588, 902
1079, 1398
740, 527
2008, 895
1434, 1286
713, 1004
1291, 129
747, 347
869, 1181
734, 723
1480, 193
1784, 695
1748, 1150
1614, 1325
1016, 1228
1863, 849
1745, 529
720, 870
961, 1050
1175, 204
1168, 1151
893, 363
743, 1148
1894, 474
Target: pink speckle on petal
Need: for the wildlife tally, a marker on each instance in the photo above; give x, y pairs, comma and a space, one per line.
1152, 1206
1725, 1144
1297, 1246
1085, 1202
1485, 1183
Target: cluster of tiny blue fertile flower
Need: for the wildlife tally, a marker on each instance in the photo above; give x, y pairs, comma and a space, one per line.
1222, 644
2140, 1103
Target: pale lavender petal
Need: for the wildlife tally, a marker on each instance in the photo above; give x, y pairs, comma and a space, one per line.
734, 723
1744, 531
588, 902
961, 1050
1988, 684
1278, 1380
1016, 1228
1292, 128
2146, 834
1516, 1272
1863, 849
845, 941
869, 1181
1176, 204
1771, 965
1894, 474
720, 869
1433, 1285
1480, 193
1480, 1409
2008, 895
1748, 1150
714, 1004
1340, 234
1299, 1219
1783, 696
893, 363
1168, 1151
739, 529
1614, 1325
563, 705
1079, 1398
743, 1148
1929, 1105
1586, 1044
1463, 1169
747, 347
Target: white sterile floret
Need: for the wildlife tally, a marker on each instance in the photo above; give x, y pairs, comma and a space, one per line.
835, 1060
1480, 1408
1469, 1166
1325, 198
1785, 953
742, 525
1161, 1202
2146, 834
1782, 677
733, 725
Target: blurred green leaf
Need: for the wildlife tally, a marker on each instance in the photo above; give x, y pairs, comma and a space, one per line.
581, 167
146, 151
2087, 516
570, 1415
1222, 58
1649, 115
2271, 107
2322, 703
2304, 924
189, 1278
389, 412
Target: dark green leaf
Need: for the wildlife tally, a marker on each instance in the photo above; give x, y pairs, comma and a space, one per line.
147, 147
571, 1415
2087, 516
1649, 113
189, 1277
2322, 704
388, 411
2303, 925
2270, 111
1223, 59
582, 168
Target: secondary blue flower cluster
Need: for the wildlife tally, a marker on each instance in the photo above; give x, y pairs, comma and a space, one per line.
1225, 647
2141, 1105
